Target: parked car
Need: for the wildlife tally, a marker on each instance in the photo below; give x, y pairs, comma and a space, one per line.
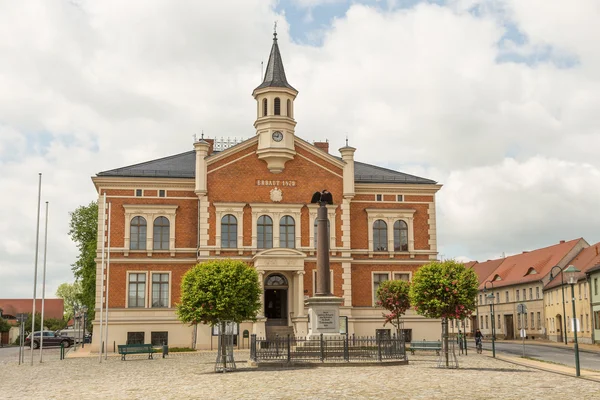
50, 339
74, 334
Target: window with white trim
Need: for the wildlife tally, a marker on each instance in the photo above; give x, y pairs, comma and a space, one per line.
287, 232
160, 290
400, 236
265, 232
380, 242
378, 197
139, 192
161, 233
229, 232
138, 228
378, 278
400, 197
401, 276
162, 193
137, 290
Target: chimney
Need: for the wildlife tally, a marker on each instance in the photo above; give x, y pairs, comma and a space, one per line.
322, 145
211, 145
561, 242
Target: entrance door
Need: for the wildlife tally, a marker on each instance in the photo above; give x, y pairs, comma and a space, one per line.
474, 326
559, 332
276, 309
510, 327
276, 306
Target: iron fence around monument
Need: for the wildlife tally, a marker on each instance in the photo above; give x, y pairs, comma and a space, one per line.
343, 348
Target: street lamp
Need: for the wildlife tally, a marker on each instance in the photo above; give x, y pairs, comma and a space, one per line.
562, 287
84, 309
491, 299
571, 272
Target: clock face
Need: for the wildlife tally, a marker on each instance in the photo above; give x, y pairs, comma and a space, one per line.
277, 136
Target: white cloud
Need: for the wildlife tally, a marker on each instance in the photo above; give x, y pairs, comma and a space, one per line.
89, 86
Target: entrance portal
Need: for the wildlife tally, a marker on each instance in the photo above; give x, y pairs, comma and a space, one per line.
276, 310
510, 327
559, 332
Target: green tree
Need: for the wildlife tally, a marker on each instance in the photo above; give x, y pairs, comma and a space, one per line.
217, 291
445, 290
83, 229
394, 296
72, 294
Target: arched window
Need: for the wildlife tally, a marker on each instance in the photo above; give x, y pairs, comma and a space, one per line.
277, 106
265, 232
265, 107
161, 233
229, 232
287, 232
138, 234
400, 236
289, 108
276, 280
317, 230
379, 235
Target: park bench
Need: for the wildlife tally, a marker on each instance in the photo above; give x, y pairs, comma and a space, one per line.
125, 349
425, 345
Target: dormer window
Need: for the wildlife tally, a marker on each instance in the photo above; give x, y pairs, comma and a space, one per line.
265, 107
497, 278
277, 106
531, 271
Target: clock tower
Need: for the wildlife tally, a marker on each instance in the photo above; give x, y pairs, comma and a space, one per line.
275, 114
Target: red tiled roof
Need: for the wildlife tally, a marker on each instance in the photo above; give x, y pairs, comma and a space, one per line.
514, 269
587, 259
53, 308
485, 269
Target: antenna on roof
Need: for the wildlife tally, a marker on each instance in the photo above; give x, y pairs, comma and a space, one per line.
261, 69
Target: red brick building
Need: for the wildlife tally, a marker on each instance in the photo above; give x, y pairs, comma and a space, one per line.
251, 202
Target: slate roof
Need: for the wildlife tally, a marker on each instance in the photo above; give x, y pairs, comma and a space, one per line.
275, 74
177, 166
183, 166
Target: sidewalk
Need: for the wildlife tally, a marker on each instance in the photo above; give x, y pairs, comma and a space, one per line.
591, 348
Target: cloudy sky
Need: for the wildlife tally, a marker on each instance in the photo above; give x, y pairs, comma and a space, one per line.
498, 100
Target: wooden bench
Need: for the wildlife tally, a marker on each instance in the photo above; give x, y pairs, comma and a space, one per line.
125, 349
425, 345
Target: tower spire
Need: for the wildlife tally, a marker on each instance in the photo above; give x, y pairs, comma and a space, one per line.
275, 73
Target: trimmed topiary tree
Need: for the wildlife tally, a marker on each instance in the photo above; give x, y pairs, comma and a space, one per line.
394, 296
445, 290
217, 291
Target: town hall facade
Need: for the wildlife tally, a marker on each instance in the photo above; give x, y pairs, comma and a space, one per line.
251, 202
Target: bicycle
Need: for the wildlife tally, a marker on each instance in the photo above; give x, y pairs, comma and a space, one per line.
479, 345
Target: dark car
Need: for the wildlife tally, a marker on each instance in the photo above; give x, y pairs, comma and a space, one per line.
50, 339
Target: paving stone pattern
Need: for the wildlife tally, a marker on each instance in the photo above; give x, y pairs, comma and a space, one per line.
186, 376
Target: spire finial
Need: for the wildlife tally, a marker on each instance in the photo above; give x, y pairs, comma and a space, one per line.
202, 134
346, 140
275, 31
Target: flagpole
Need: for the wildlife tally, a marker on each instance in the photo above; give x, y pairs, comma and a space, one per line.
102, 275
44, 284
107, 285
37, 243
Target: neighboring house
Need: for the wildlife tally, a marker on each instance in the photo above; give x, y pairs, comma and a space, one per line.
593, 277
553, 303
520, 279
53, 308
251, 201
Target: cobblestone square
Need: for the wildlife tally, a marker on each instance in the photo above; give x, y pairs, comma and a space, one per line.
183, 376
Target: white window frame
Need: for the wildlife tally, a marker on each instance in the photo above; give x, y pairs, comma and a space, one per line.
135, 192
129, 272
150, 212
237, 210
158, 193
276, 212
373, 293
400, 198
151, 273
390, 216
377, 197
394, 273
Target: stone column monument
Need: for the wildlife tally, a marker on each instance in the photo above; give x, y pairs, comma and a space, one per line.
323, 307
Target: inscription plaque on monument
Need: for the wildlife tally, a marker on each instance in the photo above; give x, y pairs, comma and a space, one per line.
325, 319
